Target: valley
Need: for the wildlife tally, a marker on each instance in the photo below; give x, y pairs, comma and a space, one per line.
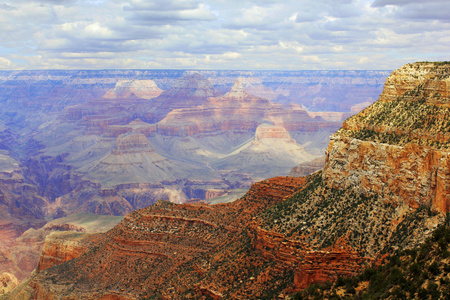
383, 187
109, 142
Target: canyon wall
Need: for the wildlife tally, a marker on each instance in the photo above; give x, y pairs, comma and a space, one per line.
412, 174
399, 147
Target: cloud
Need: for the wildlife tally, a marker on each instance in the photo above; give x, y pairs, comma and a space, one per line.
427, 11
417, 9
382, 3
4, 63
254, 16
161, 5
249, 34
166, 12
4, 6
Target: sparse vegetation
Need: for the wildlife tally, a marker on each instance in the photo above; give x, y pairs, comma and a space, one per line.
321, 216
420, 115
420, 273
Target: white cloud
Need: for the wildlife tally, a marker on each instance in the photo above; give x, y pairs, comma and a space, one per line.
249, 34
4, 63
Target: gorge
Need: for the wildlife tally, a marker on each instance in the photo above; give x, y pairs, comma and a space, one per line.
383, 187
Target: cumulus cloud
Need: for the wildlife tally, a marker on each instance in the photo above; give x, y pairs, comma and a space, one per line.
244, 34
4, 63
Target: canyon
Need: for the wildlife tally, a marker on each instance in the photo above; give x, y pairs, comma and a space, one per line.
109, 142
383, 187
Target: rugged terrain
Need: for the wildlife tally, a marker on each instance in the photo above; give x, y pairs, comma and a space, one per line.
111, 141
374, 196
309, 167
187, 142
418, 273
59, 126
21, 251
166, 243
398, 147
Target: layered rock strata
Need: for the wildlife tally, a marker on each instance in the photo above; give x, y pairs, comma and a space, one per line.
238, 111
56, 122
119, 158
165, 243
309, 167
60, 247
399, 146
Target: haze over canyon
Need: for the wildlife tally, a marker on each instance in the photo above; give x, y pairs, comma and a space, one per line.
110, 142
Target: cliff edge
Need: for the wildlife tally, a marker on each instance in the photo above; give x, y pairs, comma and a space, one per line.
399, 147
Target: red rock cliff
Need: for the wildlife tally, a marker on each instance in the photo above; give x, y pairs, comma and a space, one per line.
399, 147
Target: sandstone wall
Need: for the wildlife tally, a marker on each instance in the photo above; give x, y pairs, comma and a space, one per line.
399, 147
310, 266
412, 174
60, 247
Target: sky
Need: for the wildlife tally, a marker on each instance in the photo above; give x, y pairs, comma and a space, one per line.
222, 34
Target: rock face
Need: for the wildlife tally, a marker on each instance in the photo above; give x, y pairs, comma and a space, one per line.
309, 167
272, 132
7, 283
22, 255
186, 92
236, 111
60, 247
134, 160
156, 247
271, 152
412, 174
21, 208
115, 148
382, 188
132, 143
398, 147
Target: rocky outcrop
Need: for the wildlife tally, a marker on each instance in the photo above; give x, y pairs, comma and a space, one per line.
60, 247
21, 208
412, 174
146, 89
223, 251
193, 86
23, 253
75, 129
271, 152
7, 283
152, 247
310, 266
238, 111
187, 154
398, 147
132, 143
186, 92
308, 167
272, 132
413, 108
